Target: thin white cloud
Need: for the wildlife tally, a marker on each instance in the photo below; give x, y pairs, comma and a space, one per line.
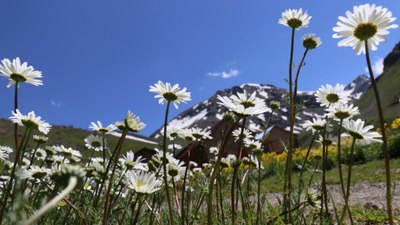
225, 74
56, 104
230, 64
377, 67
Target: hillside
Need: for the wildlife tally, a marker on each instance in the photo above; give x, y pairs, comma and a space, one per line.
71, 137
207, 112
388, 85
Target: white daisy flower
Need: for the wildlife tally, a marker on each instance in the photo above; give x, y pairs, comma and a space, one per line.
176, 170
274, 105
40, 139
214, 150
173, 131
58, 159
30, 121
133, 123
68, 152
316, 125
328, 95
295, 18
51, 150
252, 144
328, 140
311, 41
168, 93
94, 142
142, 182
313, 197
199, 133
174, 146
254, 162
34, 172
5, 152
21, 73
246, 134
244, 105
229, 160
342, 111
187, 134
97, 126
366, 23
357, 130
40, 154
130, 162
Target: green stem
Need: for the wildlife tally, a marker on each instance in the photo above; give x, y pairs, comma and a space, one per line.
385, 145
138, 199
104, 149
110, 182
297, 78
100, 188
258, 190
33, 155
235, 174
339, 157
15, 111
301, 183
12, 176
347, 195
214, 175
242, 201
183, 217
323, 184
164, 163
265, 135
288, 171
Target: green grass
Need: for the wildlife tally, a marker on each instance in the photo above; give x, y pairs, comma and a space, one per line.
67, 136
373, 171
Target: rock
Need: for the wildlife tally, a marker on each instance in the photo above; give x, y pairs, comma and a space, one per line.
370, 205
392, 58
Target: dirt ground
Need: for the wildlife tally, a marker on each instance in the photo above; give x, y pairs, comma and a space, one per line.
362, 193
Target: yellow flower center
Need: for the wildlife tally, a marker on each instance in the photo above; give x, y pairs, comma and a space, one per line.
29, 124
96, 144
139, 184
342, 115
18, 77
356, 135
294, 23
247, 104
365, 31
309, 43
332, 98
169, 96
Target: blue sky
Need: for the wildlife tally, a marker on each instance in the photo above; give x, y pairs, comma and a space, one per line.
99, 57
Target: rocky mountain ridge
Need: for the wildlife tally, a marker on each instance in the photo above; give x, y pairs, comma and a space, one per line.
208, 112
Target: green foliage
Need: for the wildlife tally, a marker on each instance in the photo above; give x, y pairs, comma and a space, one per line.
363, 153
369, 216
394, 145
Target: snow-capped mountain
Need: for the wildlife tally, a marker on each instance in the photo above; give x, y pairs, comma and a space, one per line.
207, 112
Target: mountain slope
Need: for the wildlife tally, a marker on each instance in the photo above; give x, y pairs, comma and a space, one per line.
207, 112
389, 90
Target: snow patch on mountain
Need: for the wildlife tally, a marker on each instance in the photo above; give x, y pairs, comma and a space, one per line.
208, 112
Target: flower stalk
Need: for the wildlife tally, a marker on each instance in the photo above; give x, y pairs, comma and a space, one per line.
164, 164
235, 174
384, 139
214, 176
288, 168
